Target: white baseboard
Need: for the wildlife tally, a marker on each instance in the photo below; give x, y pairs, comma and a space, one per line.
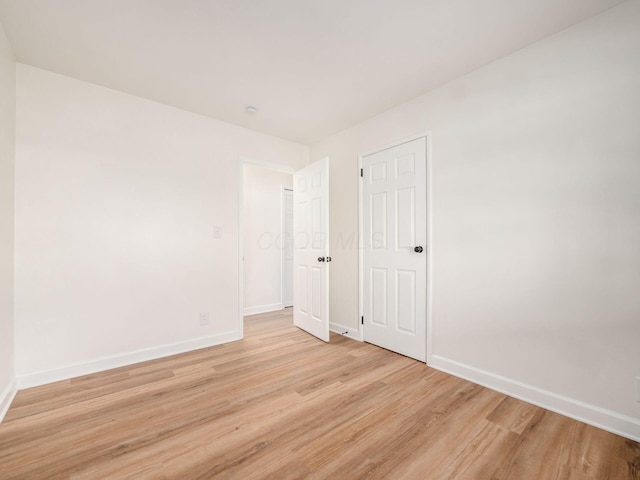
115, 361
346, 331
6, 397
263, 309
608, 420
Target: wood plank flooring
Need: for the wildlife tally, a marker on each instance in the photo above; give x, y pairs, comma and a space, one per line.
282, 405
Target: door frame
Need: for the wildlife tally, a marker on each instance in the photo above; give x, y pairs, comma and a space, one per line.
429, 247
283, 222
278, 167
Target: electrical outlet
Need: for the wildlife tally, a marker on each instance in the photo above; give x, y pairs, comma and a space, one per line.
638, 388
204, 318
217, 231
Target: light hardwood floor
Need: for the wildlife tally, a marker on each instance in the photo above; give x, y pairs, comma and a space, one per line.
283, 405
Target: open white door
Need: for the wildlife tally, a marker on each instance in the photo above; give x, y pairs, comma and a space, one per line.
311, 249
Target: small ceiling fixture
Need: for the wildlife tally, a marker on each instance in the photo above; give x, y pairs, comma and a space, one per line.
251, 109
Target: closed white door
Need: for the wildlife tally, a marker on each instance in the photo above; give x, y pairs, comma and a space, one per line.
310, 249
394, 194
287, 249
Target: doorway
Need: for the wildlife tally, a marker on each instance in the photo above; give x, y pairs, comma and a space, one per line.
266, 274
260, 243
395, 248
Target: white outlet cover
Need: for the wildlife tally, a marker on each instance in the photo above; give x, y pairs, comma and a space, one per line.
638, 388
217, 231
204, 318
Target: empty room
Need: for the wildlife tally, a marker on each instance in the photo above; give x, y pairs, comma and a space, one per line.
320, 239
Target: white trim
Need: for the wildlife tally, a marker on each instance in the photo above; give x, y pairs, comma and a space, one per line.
283, 221
396, 143
263, 309
360, 252
7, 396
427, 136
584, 412
240, 324
120, 360
352, 333
278, 167
429, 248
282, 235
327, 196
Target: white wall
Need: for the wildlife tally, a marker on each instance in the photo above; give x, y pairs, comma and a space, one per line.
262, 192
536, 208
116, 200
7, 136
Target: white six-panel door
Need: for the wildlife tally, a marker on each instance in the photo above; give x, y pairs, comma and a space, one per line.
310, 252
394, 204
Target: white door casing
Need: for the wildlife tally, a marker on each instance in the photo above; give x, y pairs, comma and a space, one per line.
287, 248
394, 220
311, 249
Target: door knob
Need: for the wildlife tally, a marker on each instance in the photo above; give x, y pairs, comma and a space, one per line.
321, 259
418, 249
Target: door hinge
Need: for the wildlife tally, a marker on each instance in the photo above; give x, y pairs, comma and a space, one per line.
361, 320
362, 172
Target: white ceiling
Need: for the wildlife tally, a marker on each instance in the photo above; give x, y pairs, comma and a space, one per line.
311, 67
